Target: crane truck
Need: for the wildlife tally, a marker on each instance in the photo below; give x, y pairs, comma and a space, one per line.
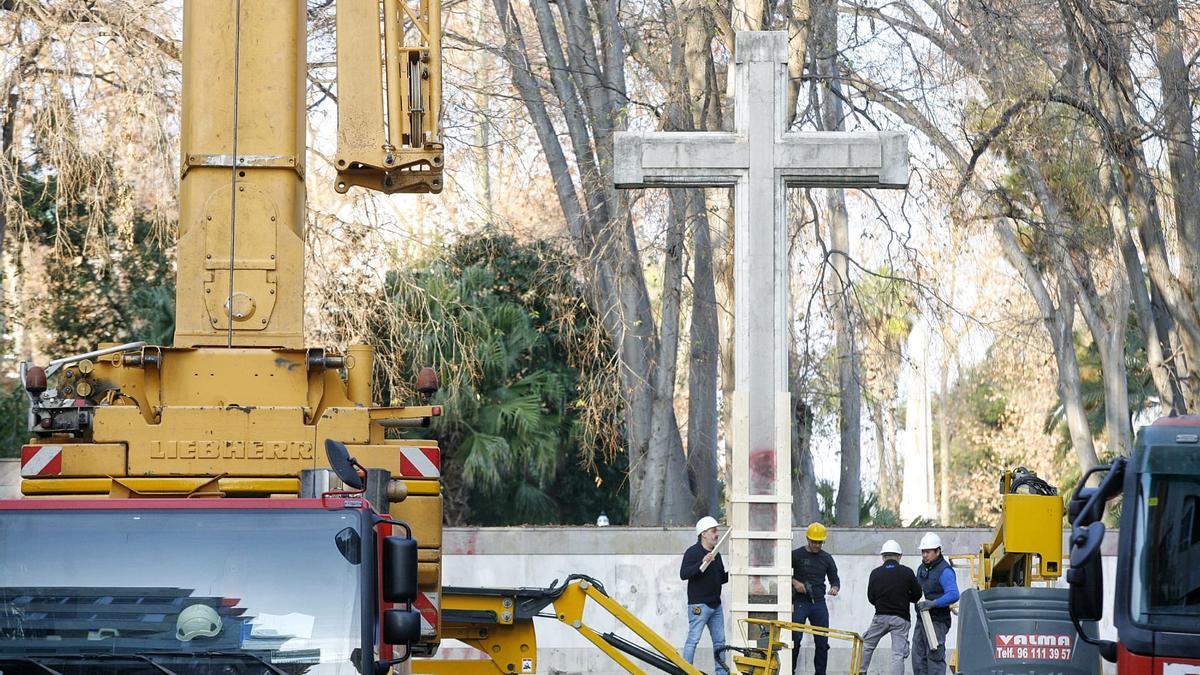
165, 525
1156, 594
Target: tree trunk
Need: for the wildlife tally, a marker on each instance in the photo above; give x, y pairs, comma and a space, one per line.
798, 15
747, 15
661, 475
1142, 197
1059, 321
849, 384
702, 108
1106, 321
875, 410
605, 240
944, 437
702, 365
723, 272
1162, 371
824, 58
1102, 41
481, 150
891, 486
7, 127
806, 507
1181, 143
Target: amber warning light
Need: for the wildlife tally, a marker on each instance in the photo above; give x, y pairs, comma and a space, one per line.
427, 382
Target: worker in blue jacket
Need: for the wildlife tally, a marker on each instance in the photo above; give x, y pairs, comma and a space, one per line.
940, 588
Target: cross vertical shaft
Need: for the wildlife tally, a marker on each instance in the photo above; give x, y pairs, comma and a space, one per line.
761, 159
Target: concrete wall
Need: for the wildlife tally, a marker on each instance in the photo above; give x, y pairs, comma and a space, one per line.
10, 478
640, 568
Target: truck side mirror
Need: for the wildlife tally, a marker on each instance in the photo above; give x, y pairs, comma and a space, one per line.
1085, 600
346, 467
401, 626
1086, 576
399, 570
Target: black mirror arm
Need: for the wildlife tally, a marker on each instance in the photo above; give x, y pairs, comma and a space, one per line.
384, 666
1093, 510
1083, 633
380, 519
1108, 648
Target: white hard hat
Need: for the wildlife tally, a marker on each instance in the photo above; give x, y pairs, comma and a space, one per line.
890, 546
705, 523
930, 541
197, 621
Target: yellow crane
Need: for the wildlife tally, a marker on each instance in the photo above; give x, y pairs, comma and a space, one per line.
239, 405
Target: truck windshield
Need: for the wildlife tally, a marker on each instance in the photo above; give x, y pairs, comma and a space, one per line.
1166, 578
191, 590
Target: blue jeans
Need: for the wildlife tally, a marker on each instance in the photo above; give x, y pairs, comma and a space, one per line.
697, 620
814, 614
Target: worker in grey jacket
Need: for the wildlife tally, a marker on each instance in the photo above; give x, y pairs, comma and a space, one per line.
891, 589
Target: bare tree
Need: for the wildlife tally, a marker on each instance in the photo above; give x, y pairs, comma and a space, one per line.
1041, 70
86, 96
585, 68
824, 59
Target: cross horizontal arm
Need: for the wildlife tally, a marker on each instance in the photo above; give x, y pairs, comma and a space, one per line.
843, 159
680, 159
716, 159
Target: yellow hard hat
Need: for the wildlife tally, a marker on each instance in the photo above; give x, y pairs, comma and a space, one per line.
816, 532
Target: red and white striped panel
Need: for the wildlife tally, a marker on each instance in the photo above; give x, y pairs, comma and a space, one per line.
427, 604
41, 460
420, 462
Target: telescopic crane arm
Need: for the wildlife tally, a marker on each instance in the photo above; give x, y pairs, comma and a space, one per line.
239, 403
389, 138
242, 186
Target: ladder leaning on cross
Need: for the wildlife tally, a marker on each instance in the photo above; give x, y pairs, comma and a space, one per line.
761, 159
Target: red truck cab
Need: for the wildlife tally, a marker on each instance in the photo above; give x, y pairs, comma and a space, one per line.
203, 586
1156, 604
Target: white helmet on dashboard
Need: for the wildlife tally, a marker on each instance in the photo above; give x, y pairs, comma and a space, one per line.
930, 541
705, 523
197, 621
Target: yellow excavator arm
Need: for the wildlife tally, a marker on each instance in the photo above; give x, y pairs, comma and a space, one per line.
499, 622
1027, 544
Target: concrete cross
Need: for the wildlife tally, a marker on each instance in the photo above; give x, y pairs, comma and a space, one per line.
761, 159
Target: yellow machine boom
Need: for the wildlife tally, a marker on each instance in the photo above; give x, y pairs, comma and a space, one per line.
1030, 531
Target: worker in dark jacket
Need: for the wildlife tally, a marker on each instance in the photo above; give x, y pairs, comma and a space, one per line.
891, 589
810, 567
940, 588
704, 572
